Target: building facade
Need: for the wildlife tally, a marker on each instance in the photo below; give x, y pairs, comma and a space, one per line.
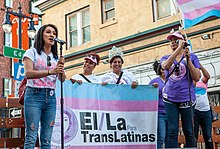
9, 85
7, 82
139, 28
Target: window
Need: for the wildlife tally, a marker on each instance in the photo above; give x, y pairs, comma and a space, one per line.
17, 84
108, 10
86, 26
163, 8
9, 3
79, 27
8, 39
7, 86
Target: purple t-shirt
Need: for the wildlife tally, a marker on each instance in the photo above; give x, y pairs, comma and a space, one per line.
176, 88
161, 108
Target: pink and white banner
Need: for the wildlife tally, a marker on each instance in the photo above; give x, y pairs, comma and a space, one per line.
195, 11
107, 117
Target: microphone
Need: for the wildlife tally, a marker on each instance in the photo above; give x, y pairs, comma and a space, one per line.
59, 41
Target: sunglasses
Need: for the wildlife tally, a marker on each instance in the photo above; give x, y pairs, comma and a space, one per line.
177, 70
91, 56
48, 61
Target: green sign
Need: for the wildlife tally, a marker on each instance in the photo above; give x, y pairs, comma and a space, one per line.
13, 52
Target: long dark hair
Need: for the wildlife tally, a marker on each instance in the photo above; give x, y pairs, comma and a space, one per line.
157, 67
39, 41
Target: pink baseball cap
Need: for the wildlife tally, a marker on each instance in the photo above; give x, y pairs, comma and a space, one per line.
176, 34
91, 58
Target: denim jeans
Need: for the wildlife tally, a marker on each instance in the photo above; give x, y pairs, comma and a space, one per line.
173, 111
39, 106
203, 118
161, 130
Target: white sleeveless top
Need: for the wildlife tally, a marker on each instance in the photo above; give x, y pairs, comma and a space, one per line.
202, 102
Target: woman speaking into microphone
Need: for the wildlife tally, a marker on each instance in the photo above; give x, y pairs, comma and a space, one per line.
42, 69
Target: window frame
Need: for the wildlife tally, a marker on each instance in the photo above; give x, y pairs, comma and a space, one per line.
85, 26
70, 32
8, 39
9, 3
9, 89
173, 10
105, 11
79, 27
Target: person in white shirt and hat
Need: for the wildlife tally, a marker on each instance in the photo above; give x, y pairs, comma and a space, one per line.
91, 60
118, 76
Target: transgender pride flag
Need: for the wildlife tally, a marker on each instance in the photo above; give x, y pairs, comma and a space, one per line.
194, 11
107, 117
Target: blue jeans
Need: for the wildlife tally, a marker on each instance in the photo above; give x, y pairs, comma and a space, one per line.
161, 130
173, 111
203, 118
39, 106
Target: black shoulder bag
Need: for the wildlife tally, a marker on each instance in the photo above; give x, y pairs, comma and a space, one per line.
119, 78
85, 78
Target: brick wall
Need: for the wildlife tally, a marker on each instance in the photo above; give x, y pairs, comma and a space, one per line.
5, 63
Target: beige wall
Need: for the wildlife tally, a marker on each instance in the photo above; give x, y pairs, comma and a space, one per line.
131, 17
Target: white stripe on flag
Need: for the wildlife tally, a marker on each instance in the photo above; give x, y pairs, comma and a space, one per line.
197, 4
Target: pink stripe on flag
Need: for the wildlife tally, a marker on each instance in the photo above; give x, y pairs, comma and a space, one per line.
111, 105
199, 12
112, 147
180, 2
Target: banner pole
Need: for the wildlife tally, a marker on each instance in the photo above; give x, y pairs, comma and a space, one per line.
180, 20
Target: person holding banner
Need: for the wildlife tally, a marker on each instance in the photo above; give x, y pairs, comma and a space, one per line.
91, 60
203, 116
117, 76
42, 69
178, 93
162, 120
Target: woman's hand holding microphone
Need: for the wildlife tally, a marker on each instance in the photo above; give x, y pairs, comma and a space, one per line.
59, 68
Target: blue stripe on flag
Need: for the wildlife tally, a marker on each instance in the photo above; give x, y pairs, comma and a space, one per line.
188, 23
